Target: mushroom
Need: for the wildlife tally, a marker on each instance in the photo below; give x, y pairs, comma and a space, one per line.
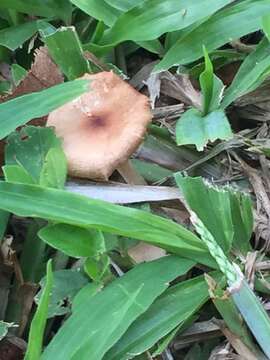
103, 127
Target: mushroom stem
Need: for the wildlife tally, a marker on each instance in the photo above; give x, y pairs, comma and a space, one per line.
130, 174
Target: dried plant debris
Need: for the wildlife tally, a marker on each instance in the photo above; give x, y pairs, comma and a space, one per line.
43, 74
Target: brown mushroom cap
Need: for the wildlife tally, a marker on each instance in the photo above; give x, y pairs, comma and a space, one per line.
103, 127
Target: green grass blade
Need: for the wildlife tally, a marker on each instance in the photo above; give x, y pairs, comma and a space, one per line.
14, 36
39, 321
124, 5
153, 18
217, 30
231, 219
48, 8
99, 9
254, 314
18, 111
66, 207
162, 317
253, 71
266, 25
91, 331
66, 50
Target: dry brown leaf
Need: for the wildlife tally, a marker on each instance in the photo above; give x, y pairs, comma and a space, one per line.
144, 252
43, 74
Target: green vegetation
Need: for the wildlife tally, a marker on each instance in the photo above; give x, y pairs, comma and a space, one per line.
83, 271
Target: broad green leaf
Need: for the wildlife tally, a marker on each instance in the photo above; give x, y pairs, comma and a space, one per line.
242, 217
216, 31
17, 174
166, 340
212, 205
150, 171
126, 298
152, 18
54, 170
18, 111
66, 285
253, 71
211, 86
124, 5
153, 46
64, 207
72, 240
98, 268
17, 73
99, 9
193, 128
29, 148
38, 323
91, 289
230, 314
173, 308
48, 8
14, 36
66, 50
254, 314
266, 25
230, 220
245, 299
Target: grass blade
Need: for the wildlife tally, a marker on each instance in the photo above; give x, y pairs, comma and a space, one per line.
161, 318
153, 18
253, 71
66, 50
65, 207
216, 31
39, 321
14, 36
127, 298
20, 110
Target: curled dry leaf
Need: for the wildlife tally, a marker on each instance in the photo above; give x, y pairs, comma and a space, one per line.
103, 127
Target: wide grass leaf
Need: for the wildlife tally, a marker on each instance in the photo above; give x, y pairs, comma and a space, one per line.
39, 320
99, 9
216, 31
20, 146
54, 170
124, 5
65, 48
18, 111
254, 314
73, 240
66, 207
102, 319
211, 87
173, 308
48, 8
66, 284
253, 71
14, 36
230, 220
193, 128
152, 18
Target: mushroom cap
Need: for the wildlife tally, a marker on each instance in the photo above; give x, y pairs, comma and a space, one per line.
103, 127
